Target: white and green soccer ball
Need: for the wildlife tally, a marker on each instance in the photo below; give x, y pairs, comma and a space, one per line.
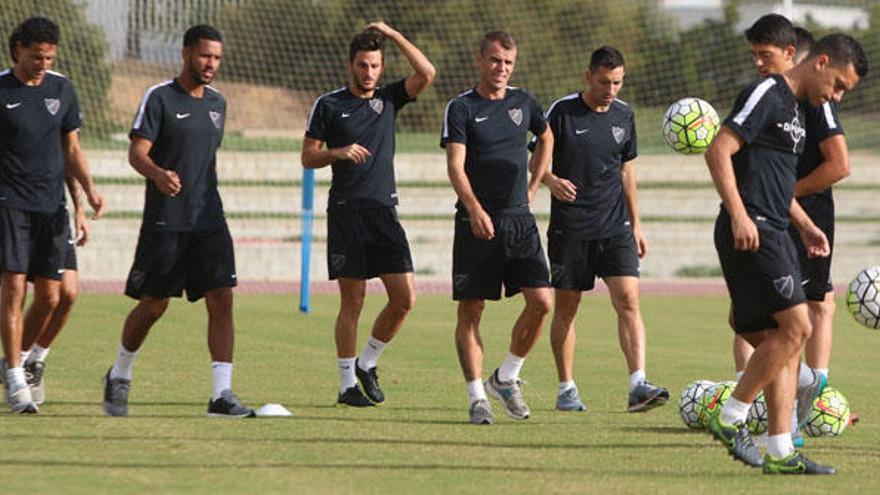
830, 414
863, 297
714, 398
689, 402
757, 421
690, 125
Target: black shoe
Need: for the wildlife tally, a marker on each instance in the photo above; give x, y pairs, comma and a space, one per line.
228, 406
354, 397
795, 463
370, 381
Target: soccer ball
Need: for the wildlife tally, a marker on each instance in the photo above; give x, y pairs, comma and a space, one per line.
757, 421
714, 397
863, 297
689, 401
690, 125
830, 414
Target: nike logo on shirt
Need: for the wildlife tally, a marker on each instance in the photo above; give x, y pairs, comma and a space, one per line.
12, 105
346, 115
480, 119
580, 131
183, 115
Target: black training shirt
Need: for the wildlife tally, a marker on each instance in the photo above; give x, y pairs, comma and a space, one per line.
495, 134
33, 120
589, 149
823, 122
185, 132
767, 117
341, 118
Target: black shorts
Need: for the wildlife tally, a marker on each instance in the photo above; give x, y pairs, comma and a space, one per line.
35, 243
514, 258
761, 283
575, 263
166, 263
816, 272
363, 243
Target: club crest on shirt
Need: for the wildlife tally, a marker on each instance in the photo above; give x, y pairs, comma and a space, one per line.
377, 105
337, 261
619, 133
556, 271
459, 280
216, 118
516, 115
784, 286
52, 105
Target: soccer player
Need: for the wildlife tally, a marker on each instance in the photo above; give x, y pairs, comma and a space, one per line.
594, 223
39, 145
184, 241
496, 239
753, 162
364, 237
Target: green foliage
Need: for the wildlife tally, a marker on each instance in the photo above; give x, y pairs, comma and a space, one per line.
88, 69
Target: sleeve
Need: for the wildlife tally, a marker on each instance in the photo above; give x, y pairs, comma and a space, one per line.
753, 110
72, 119
552, 119
537, 123
396, 94
223, 125
823, 122
318, 124
148, 121
629, 148
454, 123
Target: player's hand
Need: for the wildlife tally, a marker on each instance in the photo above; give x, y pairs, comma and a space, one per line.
80, 227
562, 189
815, 241
168, 183
353, 152
381, 27
641, 242
745, 234
481, 225
96, 201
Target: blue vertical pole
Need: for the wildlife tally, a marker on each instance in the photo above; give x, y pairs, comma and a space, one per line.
308, 205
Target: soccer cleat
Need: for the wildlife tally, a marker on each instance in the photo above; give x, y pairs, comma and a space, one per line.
480, 413
510, 395
33, 373
794, 463
20, 401
736, 439
228, 406
807, 395
354, 397
646, 396
116, 395
370, 381
570, 400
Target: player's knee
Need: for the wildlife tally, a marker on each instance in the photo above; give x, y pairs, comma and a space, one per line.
824, 310
403, 304
47, 301
469, 312
540, 305
67, 298
627, 304
154, 308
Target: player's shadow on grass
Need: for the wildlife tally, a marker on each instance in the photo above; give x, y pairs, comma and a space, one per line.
665, 430
131, 403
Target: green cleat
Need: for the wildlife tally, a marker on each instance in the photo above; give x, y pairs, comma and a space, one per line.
795, 463
736, 439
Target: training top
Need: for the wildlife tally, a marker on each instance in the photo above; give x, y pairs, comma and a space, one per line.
589, 149
767, 117
341, 118
823, 122
495, 134
186, 133
33, 120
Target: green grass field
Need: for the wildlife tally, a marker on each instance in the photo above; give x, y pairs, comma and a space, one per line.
419, 441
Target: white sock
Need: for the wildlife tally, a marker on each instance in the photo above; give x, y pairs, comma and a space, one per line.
370, 355
37, 353
735, 411
15, 378
636, 378
780, 446
794, 420
739, 375
563, 386
510, 368
476, 390
221, 378
124, 362
805, 376
346, 374
24, 356
822, 371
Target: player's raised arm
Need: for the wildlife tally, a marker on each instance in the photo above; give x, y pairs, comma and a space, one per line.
719, 158
424, 71
540, 160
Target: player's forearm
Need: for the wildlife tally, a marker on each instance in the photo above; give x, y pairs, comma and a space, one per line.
144, 165
721, 169
824, 176
75, 191
424, 71
539, 163
462, 186
316, 158
798, 216
77, 167
630, 195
